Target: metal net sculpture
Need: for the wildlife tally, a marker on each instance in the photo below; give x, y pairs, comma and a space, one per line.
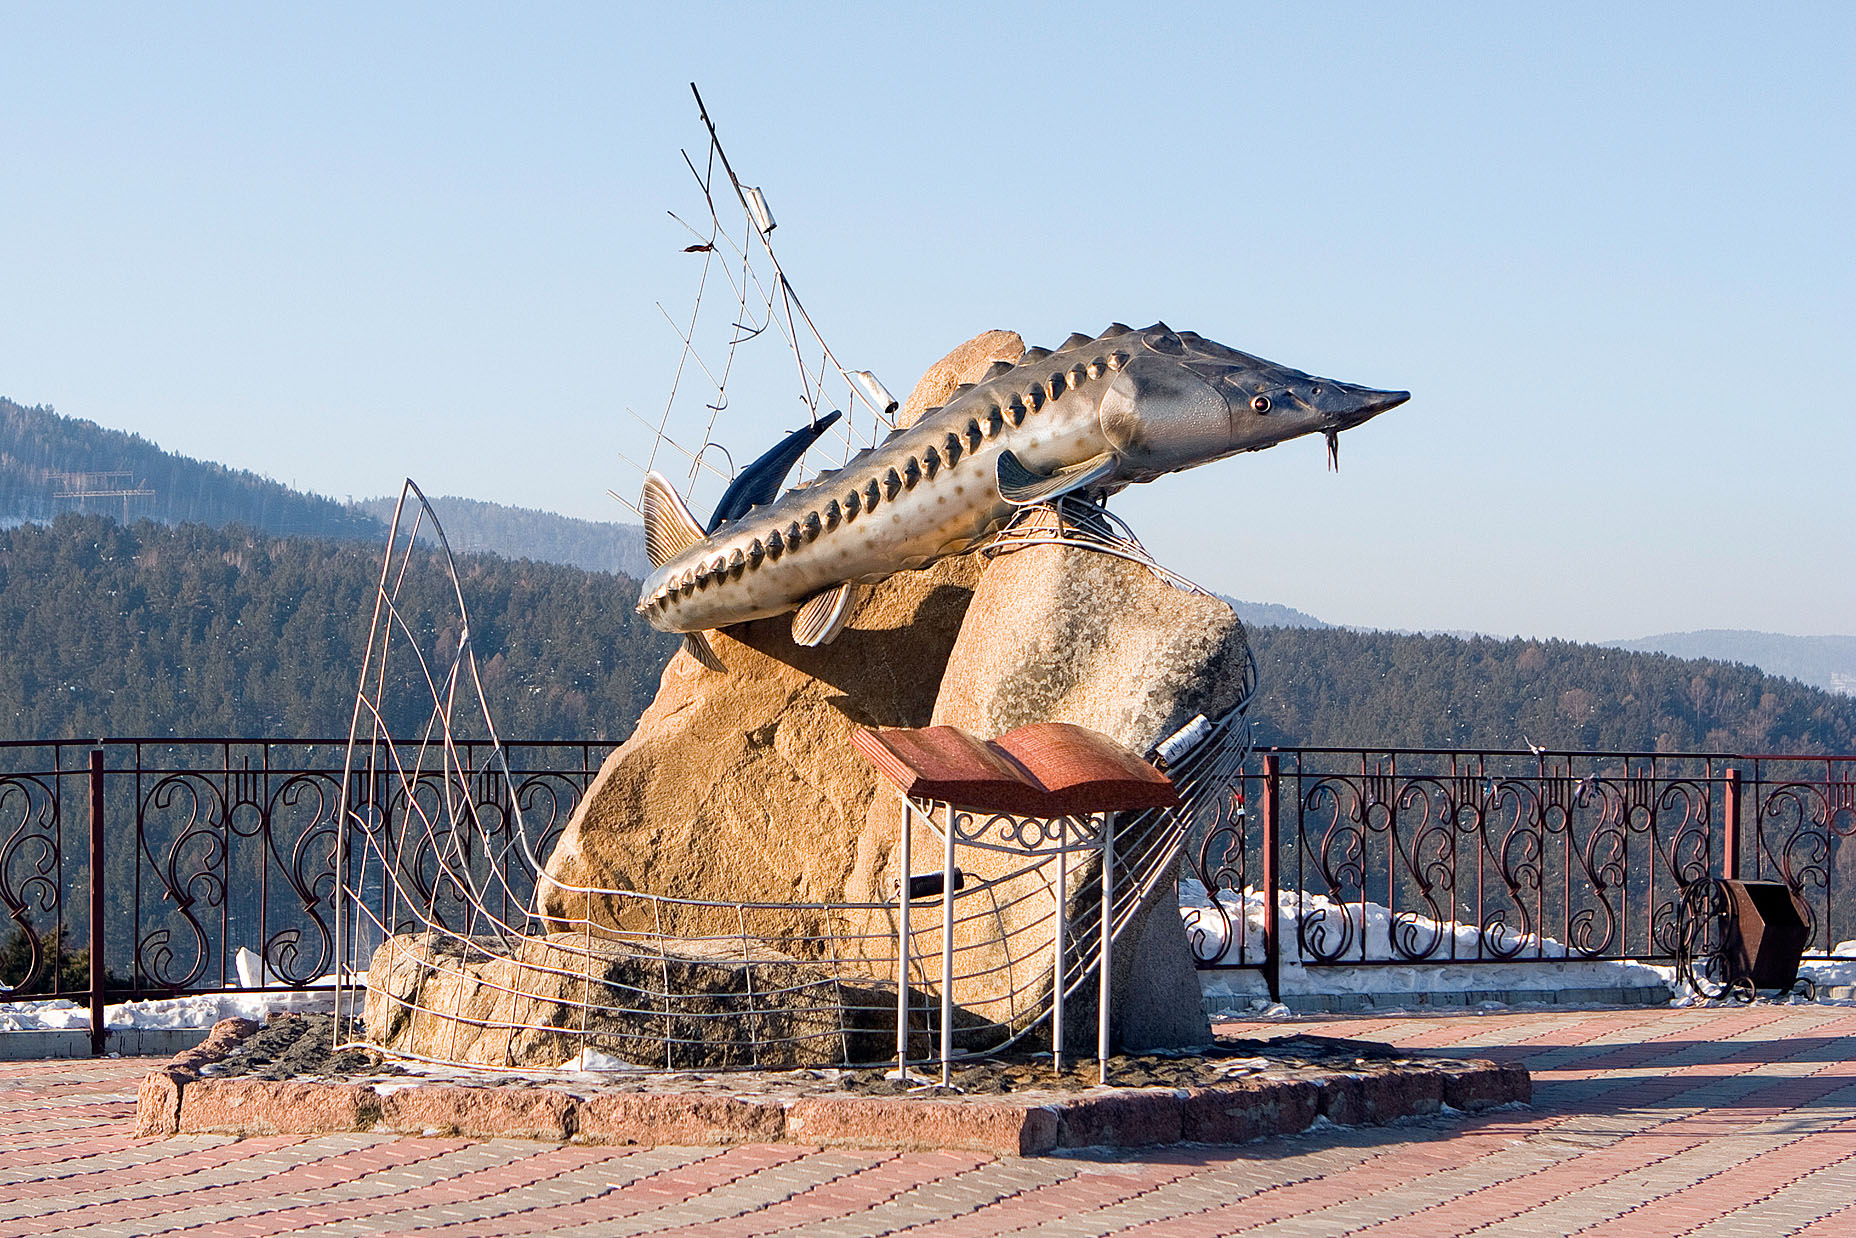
745, 307
444, 957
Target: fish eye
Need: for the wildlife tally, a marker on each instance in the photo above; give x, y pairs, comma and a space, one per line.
1260, 404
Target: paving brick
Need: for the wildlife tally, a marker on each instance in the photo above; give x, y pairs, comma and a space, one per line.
616, 1183
1714, 1121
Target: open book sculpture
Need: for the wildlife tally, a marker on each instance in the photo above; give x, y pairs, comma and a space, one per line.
1046, 769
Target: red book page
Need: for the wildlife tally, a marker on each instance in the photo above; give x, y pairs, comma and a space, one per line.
1085, 771
1047, 769
946, 763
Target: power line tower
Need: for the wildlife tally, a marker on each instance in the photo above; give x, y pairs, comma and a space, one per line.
77, 487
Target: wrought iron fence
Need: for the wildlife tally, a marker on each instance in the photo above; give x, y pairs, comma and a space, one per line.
1348, 857
177, 854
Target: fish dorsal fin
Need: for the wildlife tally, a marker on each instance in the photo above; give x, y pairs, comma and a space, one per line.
1022, 486
669, 528
761, 481
824, 615
697, 645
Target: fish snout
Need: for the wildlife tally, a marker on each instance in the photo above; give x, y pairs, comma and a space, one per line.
1350, 405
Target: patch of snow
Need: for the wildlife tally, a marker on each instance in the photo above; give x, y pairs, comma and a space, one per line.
1840, 969
201, 1010
589, 1060
1544, 964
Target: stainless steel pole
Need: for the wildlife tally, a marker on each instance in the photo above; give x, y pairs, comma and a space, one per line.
947, 950
1057, 979
902, 945
1108, 936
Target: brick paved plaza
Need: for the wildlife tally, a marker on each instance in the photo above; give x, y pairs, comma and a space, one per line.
1731, 1121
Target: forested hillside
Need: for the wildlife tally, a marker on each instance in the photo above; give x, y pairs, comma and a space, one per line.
44, 456
1339, 688
46, 459
191, 631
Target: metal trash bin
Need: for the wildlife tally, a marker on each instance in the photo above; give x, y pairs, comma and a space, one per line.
1768, 935
1742, 936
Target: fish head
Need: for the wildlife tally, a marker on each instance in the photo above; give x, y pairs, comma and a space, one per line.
1183, 400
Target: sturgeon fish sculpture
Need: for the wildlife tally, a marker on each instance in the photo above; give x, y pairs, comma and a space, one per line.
1093, 416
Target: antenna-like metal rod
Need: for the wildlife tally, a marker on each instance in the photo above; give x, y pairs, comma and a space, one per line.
786, 287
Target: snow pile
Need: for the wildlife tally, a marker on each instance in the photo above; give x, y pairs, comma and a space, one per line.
201, 1010
1840, 969
589, 1060
1543, 965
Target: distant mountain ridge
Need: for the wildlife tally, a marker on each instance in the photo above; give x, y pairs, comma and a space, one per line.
1338, 687
1827, 662
1273, 614
145, 629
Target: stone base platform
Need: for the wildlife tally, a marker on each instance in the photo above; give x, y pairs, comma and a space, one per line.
185, 1097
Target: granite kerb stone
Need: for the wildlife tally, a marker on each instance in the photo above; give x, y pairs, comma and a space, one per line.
158, 1099
179, 1097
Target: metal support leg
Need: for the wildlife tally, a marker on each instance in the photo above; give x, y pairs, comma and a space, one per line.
1108, 917
947, 950
1057, 985
902, 946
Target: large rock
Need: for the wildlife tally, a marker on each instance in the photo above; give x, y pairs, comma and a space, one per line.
692, 1005
1061, 634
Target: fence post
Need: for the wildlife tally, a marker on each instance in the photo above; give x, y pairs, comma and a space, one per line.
99, 971
1272, 939
1730, 812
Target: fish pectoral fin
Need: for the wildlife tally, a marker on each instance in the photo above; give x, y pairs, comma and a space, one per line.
697, 645
669, 526
823, 616
1022, 486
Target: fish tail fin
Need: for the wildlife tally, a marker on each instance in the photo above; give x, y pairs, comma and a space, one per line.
669, 528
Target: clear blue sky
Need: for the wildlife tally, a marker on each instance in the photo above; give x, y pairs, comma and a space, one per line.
1611, 249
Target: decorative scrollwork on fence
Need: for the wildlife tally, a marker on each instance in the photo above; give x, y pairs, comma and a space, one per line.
31, 871
1802, 828
1342, 812
1472, 857
191, 868
1494, 816
232, 848
299, 829
1221, 862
